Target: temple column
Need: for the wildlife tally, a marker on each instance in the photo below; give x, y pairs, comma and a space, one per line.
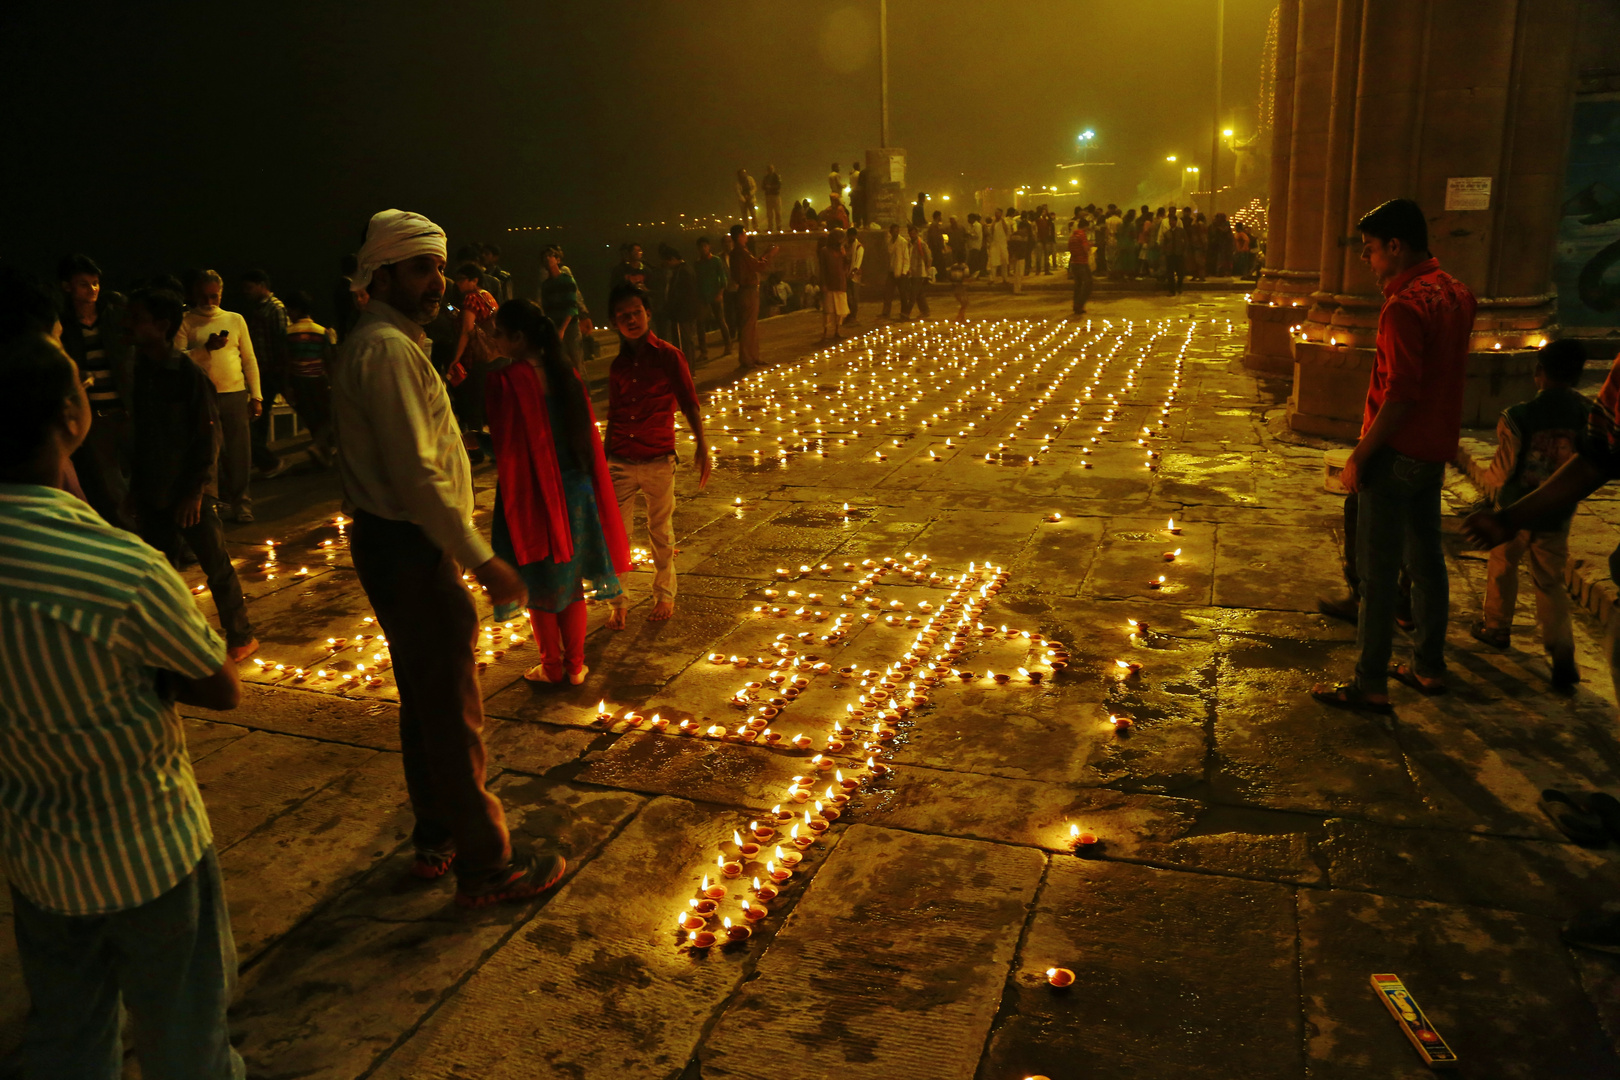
1268, 324
1293, 238
1445, 89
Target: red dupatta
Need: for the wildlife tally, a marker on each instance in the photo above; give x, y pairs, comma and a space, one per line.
530, 478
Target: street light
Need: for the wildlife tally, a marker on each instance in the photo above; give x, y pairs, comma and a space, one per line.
1226, 133
1171, 159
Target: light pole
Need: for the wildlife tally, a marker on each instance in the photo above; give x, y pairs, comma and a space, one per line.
883, 72
1215, 135
1189, 169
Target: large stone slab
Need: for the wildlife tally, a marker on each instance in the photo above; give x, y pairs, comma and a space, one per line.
1132, 556
337, 993
1176, 974
1498, 986
310, 714
1272, 566
596, 985
262, 775
282, 872
891, 966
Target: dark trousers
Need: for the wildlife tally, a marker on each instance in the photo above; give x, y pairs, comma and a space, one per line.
1082, 287
171, 962
1174, 271
892, 288
1398, 524
102, 462
270, 385
748, 326
686, 337
235, 448
207, 542
853, 291
914, 291
431, 625
715, 317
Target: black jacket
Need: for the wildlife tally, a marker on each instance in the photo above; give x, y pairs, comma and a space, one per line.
177, 437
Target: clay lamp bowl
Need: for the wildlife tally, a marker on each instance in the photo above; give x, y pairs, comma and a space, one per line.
691, 921
704, 908
781, 814
737, 932
765, 891
1059, 978
754, 912
789, 859
703, 939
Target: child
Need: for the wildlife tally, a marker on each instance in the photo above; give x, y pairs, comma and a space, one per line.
310, 349
1533, 439
176, 452
959, 273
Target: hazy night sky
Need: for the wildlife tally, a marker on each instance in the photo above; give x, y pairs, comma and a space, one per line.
160, 137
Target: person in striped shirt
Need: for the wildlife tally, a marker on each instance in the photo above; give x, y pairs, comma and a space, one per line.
104, 840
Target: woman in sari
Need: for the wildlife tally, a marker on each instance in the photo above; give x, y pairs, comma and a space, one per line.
1125, 264
556, 518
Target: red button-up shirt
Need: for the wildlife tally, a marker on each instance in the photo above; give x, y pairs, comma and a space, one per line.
1423, 335
648, 381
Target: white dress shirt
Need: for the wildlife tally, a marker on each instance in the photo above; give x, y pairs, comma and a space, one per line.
400, 450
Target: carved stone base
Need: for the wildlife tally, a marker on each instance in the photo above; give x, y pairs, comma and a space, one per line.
1330, 387
1270, 342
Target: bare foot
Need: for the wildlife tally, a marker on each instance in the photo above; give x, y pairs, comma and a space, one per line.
662, 610
616, 619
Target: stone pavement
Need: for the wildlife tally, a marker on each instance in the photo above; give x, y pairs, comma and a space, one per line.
1256, 857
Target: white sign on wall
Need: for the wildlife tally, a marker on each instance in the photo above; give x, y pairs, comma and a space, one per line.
1468, 193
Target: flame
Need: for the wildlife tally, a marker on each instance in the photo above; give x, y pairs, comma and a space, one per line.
705, 885
756, 880
737, 837
1172, 523
1074, 831
778, 853
745, 903
601, 707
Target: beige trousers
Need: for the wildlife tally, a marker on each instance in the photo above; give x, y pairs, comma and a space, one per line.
1548, 552
655, 481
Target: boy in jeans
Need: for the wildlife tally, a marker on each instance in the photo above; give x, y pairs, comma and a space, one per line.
1533, 439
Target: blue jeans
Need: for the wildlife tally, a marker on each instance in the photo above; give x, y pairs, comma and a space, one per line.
1399, 524
171, 962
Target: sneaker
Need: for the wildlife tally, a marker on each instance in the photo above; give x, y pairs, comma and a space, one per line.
243, 515
524, 878
431, 864
1495, 637
239, 653
1347, 608
1598, 930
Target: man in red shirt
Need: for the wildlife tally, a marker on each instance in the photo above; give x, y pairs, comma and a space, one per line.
648, 381
745, 272
1408, 433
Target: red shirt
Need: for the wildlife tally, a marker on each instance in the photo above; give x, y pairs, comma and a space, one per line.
1423, 335
646, 384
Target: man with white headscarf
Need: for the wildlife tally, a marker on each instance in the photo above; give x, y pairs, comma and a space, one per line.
408, 485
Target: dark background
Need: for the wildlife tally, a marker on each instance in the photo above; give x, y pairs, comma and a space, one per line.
162, 137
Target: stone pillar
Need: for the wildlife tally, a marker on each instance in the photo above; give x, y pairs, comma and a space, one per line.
1293, 241
1268, 323
1446, 89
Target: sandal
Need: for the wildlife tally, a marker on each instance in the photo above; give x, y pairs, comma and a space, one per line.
1573, 820
1405, 675
1349, 696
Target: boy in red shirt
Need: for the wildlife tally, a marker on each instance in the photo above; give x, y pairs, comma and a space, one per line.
1409, 432
648, 381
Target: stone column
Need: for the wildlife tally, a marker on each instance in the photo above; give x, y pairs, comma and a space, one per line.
1268, 324
1444, 89
1293, 241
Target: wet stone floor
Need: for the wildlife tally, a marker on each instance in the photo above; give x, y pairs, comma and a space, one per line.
991, 658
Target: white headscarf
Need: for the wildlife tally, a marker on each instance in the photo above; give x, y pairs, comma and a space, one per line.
394, 236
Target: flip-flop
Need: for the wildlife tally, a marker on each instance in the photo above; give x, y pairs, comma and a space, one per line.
1403, 674
1349, 696
1606, 808
1573, 820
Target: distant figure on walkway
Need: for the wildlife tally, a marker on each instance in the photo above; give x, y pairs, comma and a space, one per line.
898, 250
311, 348
408, 485
1173, 247
556, 518
958, 273
771, 185
1220, 247
218, 342
834, 267
681, 308
1080, 265
648, 382
1533, 440
745, 199
116, 894
712, 275
562, 303
835, 182
1408, 434
917, 268
997, 251
745, 274
857, 260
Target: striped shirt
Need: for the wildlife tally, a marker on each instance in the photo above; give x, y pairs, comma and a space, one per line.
102, 390
99, 810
